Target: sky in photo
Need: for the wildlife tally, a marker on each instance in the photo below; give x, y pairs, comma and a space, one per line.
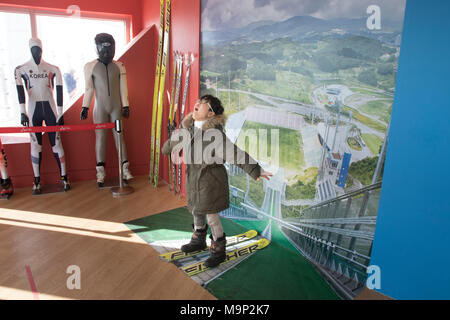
219, 14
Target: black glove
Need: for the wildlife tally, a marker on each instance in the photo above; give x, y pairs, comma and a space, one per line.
60, 121
126, 112
84, 113
24, 120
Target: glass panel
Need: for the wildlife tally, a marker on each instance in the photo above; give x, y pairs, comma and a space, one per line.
15, 32
69, 44
342, 208
345, 242
356, 205
369, 228
332, 209
374, 201
363, 246
349, 226
322, 212
333, 237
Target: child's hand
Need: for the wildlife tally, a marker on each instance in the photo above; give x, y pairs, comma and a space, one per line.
265, 175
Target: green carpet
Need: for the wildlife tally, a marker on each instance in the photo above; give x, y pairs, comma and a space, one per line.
274, 273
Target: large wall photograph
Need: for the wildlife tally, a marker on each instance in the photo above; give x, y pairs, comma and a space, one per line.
322, 75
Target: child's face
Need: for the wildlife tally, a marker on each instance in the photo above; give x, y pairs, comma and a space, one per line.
202, 110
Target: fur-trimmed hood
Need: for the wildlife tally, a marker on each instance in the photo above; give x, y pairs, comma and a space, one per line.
214, 122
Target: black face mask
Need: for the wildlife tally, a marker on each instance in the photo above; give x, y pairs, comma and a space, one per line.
106, 47
36, 52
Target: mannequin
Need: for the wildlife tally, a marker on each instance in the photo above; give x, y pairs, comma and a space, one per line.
109, 81
39, 79
6, 185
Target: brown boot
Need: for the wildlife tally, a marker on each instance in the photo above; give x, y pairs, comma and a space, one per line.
198, 241
217, 253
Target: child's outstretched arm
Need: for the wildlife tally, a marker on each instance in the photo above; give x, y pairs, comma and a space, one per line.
234, 155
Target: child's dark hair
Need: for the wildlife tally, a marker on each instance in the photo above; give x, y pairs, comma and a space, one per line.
215, 103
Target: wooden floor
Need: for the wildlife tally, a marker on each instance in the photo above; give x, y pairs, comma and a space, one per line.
84, 227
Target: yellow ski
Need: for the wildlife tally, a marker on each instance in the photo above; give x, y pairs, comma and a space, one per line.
162, 82
178, 254
155, 91
198, 267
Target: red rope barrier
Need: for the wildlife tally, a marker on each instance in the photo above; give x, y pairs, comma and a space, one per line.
66, 128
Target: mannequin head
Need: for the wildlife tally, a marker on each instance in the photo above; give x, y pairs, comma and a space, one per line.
36, 49
106, 47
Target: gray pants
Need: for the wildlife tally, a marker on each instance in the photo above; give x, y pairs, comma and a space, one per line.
213, 221
103, 116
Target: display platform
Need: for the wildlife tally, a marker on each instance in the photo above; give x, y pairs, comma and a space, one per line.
272, 273
112, 182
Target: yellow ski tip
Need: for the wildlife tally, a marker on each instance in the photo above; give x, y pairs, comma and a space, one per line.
262, 243
250, 234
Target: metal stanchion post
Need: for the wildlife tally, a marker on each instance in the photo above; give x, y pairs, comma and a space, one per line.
121, 190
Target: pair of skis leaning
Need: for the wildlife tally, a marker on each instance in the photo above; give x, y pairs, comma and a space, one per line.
158, 93
238, 246
158, 97
175, 183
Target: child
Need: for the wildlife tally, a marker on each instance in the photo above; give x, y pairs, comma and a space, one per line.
207, 184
